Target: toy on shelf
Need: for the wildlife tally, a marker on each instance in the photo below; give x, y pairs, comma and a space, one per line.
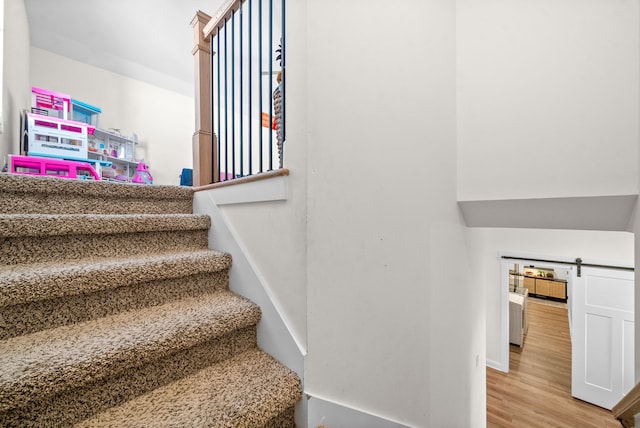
48, 132
33, 165
50, 136
50, 103
86, 113
143, 176
113, 144
110, 145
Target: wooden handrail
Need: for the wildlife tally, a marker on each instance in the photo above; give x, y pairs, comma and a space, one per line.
282, 172
628, 407
225, 11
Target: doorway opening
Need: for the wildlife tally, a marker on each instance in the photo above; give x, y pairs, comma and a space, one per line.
538, 284
525, 281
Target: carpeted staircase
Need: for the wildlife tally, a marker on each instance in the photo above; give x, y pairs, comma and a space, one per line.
114, 312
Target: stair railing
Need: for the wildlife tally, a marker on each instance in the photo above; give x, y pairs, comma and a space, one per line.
628, 407
239, 58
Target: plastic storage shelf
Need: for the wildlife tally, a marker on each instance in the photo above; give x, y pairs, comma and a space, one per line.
116, 148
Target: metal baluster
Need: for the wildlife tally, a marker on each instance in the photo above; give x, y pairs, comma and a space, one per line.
213, 110
250, 94
270, 85
260, 75
219, 109
284, 82
233, 95
226, 104
241, 99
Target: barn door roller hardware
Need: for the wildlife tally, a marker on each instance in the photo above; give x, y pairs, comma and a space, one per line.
579, 265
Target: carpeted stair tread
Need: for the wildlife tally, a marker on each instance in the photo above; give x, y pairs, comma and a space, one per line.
248, 390
52, 185
25, 283
38, 365
31, 194
20, 225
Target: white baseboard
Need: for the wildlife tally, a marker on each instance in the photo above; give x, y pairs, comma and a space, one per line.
496, 365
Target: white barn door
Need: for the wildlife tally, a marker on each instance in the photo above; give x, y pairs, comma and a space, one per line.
603, 335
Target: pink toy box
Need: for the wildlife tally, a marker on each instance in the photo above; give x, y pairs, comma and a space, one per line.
32, 165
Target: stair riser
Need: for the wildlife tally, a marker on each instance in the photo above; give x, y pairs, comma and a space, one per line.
34, 249
80, 403
43, 203
35, 316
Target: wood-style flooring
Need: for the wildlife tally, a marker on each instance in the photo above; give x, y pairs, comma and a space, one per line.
537, 390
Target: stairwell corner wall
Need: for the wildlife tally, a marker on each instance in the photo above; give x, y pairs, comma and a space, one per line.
16, 95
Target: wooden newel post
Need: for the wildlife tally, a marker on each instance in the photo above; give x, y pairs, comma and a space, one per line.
204, 147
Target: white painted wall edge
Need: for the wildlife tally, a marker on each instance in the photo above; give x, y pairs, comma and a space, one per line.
612, 213
272, 189
323, 411
504, 315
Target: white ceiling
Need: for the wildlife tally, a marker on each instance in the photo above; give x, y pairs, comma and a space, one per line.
148, 40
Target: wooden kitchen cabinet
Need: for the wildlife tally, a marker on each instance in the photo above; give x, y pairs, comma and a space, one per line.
550, 288
558, 290
543, 287
530, 284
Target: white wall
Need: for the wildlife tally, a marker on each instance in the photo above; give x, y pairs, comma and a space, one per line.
273, 234
16, 90
604, 246
392, 321
162, 119
547, 98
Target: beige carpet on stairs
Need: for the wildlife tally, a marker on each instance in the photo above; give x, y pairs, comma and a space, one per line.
115, 313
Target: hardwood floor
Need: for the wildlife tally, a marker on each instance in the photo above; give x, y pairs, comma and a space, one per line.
537, 390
